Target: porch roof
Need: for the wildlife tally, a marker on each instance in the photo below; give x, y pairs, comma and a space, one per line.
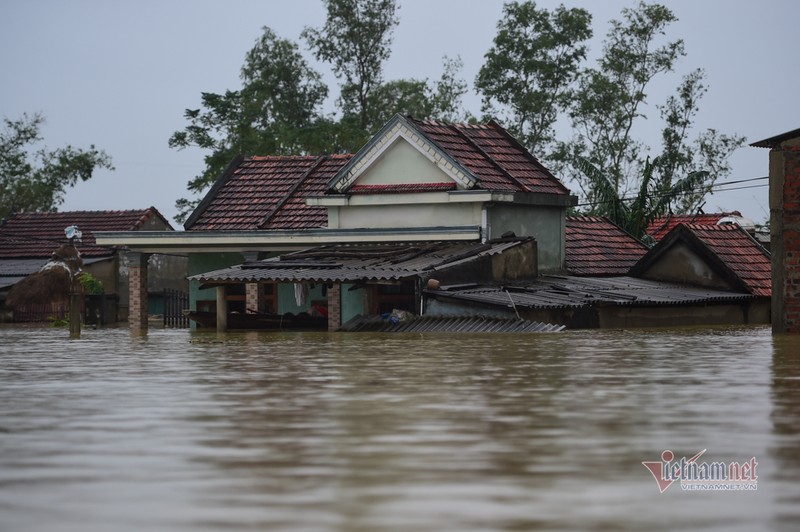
357, 262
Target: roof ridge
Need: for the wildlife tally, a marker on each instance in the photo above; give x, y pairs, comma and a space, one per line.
486, 155
290, 193
527, 154
280, 157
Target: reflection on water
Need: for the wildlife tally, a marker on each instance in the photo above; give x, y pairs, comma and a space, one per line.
307, 431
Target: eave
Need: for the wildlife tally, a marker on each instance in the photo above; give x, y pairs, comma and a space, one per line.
231, 241
455, 196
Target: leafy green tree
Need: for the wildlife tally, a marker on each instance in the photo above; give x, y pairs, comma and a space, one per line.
356, 40
611, 100
275, 112
422, 99
651, 200
36, 180
611, 96
528, 76
680, 156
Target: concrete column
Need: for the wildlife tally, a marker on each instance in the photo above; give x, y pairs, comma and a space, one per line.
222, 310
334, 307
137, 286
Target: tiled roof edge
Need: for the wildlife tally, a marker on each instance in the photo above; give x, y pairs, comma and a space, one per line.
698, 245
503, 131
211, 194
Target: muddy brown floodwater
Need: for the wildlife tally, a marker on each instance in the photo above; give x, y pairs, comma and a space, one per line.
364, 432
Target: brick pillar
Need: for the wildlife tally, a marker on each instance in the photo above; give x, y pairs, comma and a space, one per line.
137, 285
254, 297
334, 307
789, 255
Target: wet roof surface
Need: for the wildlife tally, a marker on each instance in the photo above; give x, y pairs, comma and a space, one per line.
558, 292
39, 234
597, 247
350, 262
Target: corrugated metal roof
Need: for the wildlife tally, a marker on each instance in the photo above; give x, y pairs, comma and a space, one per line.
449, 324
350, 263
559, 292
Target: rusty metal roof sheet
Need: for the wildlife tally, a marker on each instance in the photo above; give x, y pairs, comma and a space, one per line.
558, 292
350, 262
449, 324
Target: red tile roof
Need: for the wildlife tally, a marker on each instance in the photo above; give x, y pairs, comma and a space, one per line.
597, 247
659, 227
741, 254
37, 234
400, 188
492, 155
268, 193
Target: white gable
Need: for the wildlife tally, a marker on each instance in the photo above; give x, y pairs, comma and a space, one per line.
402, 155
401, 163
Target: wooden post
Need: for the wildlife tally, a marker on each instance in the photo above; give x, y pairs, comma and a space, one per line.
74, 314
222, 310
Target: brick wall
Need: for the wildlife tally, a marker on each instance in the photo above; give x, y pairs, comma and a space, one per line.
334, 307
791, 239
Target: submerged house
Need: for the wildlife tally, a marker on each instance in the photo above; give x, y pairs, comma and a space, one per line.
28, 241
427, 217
415, 181
696, 274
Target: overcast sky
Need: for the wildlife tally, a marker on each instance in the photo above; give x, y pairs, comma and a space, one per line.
120, 74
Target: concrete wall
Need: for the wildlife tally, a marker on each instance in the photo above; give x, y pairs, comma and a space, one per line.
402, 163
679, 264
406, 215
354, 302
287, 302
546, 224
206, 262
755, 312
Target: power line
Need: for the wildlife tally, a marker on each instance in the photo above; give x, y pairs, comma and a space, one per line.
711, 189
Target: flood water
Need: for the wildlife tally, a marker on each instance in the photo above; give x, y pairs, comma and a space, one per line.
363, 432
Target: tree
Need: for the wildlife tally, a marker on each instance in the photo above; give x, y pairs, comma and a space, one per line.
35, 181
680, 156
356, 40
275, 112
651, 200
421, 99
529, 73
609, 102
610, 97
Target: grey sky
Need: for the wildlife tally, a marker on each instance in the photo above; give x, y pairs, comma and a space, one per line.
120, 74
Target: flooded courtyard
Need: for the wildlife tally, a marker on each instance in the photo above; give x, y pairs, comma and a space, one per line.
360, 432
